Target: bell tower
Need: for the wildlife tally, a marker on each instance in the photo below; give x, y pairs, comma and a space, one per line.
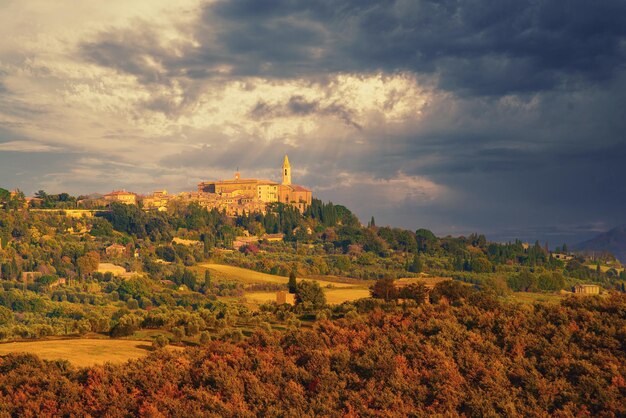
286, 171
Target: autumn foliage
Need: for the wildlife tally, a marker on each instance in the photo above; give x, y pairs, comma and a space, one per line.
477, 359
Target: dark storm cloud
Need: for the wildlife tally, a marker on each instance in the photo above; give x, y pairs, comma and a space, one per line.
533, 133
483, 47
299, 106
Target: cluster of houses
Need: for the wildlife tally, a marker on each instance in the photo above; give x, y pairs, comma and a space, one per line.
235, 196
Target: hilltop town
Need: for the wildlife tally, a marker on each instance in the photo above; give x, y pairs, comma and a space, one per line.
254, 283
233, 197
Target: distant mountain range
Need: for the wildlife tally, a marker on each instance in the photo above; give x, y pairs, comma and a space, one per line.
613, 241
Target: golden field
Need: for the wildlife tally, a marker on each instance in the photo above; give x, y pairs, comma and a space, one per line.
336, 291
81, 352
251, 277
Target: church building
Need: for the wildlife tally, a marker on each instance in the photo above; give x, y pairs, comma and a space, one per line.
241, 194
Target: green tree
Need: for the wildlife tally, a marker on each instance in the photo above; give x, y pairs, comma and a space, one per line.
480, 265
417, 292
524, 281
178, 334
551, 281
416, 266
205, 338
207, 279
101, 228
126, 326
426, 240
6, 316
452, 290
88, 263
310, 294
384, 289
160, 341
293, 287
132, 304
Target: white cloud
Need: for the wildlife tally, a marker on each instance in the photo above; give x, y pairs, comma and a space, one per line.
72, 104
27, 146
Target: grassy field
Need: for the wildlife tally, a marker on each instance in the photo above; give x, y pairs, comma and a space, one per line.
81, 352
426, 280
333, 296
251, 277
340, 295
604, 268
336, 289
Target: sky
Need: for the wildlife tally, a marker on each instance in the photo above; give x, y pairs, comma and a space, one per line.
503, 117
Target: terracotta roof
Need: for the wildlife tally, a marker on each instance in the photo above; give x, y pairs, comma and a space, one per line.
297, 188
236, 181
119, 193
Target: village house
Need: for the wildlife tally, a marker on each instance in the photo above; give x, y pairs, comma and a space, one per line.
158, 201
273, 237
240, 241
281, 297
115, 250
562, 257
30, 276
587, 289
121, 196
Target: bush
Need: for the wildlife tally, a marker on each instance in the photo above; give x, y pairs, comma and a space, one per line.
452, 290
160, 341
126, 326
205, 338
179, 333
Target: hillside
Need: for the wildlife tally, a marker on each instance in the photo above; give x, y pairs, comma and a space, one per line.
613, 241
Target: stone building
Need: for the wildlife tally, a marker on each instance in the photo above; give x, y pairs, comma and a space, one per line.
115, 250
587, 289
562, 257
158, 201
240, 195
281, 297
121, 196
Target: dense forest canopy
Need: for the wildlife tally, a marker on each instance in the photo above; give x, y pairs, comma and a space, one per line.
477, 358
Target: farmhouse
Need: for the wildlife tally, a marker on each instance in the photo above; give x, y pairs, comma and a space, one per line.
121, 196
562, 257
29, 276
587, 289
115, 250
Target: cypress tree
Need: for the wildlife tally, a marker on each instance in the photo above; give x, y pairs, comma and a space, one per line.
207, 279
292, 282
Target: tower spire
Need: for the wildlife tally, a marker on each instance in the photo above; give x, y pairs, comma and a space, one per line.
286, 171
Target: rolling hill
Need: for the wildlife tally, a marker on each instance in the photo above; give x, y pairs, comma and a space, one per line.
613, 241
